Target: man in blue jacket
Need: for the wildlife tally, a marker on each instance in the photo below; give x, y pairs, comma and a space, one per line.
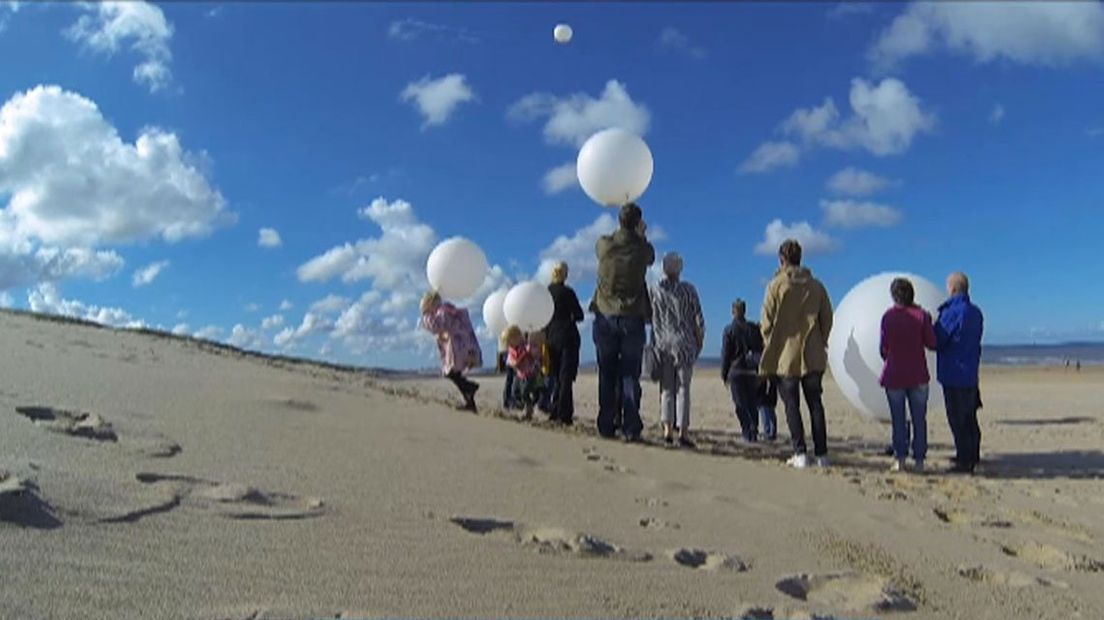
958, 346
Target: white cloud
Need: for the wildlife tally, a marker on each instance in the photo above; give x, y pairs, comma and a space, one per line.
851, 7
7, 9
272, 322
577, 250
1031, 33
410, 29
74, 182
312, 324
21, 264
856, 182
395, 260
47, 299
210, 332
269, 238
884, 120
561, 178
252, 307
573, 119
675, 40
286, 305
107, 26
997, 115
146, 275
812, 241
855, 214
180, 329
245, 338
771, 155
6, 300
330, 304
437, 99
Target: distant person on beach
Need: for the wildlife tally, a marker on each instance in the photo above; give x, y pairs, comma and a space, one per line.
563, 345
456, 343
958, 343
797, 317
501, 366
679, 332
907, 334
741, 351
621, 308
524, 356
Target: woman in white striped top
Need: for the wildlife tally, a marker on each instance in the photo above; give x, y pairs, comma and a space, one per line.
679, 331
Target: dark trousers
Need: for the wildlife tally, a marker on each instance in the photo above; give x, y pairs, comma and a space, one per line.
467, 387
565, 367
744, 387
619, 343
962, 405
810, 385
508, 400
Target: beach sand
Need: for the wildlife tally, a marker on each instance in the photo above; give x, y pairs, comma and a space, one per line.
153, 477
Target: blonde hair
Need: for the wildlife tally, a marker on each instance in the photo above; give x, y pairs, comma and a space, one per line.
431, 298
510, 333
559, 273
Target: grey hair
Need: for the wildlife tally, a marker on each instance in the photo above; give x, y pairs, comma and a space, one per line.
672, 264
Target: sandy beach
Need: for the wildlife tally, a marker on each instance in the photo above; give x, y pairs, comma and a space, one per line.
153, 477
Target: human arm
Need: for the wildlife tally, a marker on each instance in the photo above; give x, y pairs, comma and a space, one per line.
699, 318
576, 309
769, 313
728, 347
882, 345
824, 317
929, 333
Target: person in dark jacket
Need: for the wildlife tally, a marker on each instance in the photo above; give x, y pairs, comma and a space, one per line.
621, 308
562, 337
958, 355
741, 348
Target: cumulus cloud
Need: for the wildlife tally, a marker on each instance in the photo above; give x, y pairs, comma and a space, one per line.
884, 120
573, 119
146, 275
997, 115
286, 305
269, 238
210, 332
812, 241
436, 99
106, 27
272, 322
560, 178
1045, 34
771, 155
245, 338
312, 324
180, 329
330, 304
74, 182
47, 299
856, 182
674, 40
855, 214
576, 250
22, 264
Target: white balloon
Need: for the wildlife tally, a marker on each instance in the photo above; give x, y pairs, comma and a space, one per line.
529, 306
614, 167
493, 315
562, 33
456, 268
854, 344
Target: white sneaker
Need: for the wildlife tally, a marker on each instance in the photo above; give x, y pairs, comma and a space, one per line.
822, 461
798, 461
898, 465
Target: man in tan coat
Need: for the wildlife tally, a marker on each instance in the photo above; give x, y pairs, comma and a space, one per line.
797, 316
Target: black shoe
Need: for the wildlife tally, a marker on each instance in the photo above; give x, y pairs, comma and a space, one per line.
607, 435
468, 406
632, 439
669, 440
961, 468
684, 442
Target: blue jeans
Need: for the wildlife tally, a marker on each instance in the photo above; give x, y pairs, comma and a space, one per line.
768, 422
917, 399
619, 344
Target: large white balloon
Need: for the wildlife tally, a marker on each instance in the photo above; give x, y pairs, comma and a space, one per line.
614, 167
456, 268
562, 33
529, 306
853, 345
493, 315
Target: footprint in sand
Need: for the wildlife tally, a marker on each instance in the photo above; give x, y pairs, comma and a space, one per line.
652, 502
293, 404
1010, 579
230, 500
1052, 558
960, 517
707, 560
592, 455
550, 540
851, 592
76, 424
21, 504
652, 523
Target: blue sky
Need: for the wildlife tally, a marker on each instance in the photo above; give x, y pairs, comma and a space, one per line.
903, 136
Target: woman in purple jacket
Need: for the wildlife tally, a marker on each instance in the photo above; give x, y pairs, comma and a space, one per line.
907, 332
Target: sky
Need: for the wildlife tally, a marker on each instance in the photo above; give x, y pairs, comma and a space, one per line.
275, 175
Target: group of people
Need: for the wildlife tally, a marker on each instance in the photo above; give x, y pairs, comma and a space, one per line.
783, 356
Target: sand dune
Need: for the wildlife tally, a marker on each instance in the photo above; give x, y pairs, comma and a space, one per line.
150, 477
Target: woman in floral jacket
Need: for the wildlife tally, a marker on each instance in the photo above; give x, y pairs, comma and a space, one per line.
456, 343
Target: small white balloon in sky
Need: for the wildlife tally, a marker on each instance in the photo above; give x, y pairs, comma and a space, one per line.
854, 343
456, 268
562, 33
